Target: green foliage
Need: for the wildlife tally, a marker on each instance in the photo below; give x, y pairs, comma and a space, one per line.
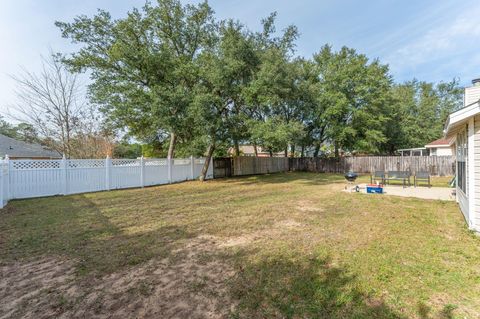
174, 70
22, 131
352, 97
274, 135
419, 111
127, 150
225, 73
143, 66
153, 150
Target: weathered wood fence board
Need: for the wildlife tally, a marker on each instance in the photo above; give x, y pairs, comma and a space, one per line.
238, 166
222, 167
259, 165
436, 165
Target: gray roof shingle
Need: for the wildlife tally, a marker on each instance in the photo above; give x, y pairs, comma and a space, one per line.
15, 148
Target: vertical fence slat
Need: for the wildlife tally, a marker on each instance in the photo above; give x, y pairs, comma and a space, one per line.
142, 172
436, 165
63, 167
38, 178
108, 173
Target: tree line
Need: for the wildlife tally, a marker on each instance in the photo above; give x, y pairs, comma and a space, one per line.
185, 83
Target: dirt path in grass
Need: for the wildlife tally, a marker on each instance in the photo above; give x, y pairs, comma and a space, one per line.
190, 284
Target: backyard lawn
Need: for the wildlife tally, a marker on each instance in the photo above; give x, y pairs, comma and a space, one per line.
287, 245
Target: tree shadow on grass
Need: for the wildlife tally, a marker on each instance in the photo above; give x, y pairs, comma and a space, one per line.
302, 178
78, 258
425, 312
76, 227
289, 287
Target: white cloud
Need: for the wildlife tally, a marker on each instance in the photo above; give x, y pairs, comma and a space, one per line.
451, 40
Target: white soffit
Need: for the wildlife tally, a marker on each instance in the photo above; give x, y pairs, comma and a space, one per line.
460, 117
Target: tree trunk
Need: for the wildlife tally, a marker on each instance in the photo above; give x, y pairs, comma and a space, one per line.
286, 151
317, 150
336, 151
255, 149
210, 150
303, 151
292, 150
271, 153
237, 148
171, 147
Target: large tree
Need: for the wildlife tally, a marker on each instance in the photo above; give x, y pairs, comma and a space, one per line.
352, 96
273, 96
51, 103
144, 66
418, 112
225, 71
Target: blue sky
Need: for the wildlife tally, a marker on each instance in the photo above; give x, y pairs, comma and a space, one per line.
429, 40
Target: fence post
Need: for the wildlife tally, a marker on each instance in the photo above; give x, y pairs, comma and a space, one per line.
63, 167
8, 178
2, 183
192, 167
108, 172
142, 172
169, 163
210, 166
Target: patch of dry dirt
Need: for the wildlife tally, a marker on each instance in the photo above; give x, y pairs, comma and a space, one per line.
190, 284
24, 287
307, 206
276, 230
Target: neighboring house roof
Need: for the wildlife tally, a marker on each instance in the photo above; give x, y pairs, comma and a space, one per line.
439, 143
412, 149
250, 150
15, 148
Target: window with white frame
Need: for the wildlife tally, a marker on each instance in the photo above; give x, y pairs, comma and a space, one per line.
462, 158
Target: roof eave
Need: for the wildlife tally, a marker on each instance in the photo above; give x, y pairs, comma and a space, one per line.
437, 145
460, 117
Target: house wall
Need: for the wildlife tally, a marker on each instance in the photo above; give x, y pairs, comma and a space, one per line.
444, 151
472, 95
476, 176
469, 202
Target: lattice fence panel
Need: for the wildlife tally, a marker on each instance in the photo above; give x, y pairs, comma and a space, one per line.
35, 164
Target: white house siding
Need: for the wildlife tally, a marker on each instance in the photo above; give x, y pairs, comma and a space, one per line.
472, 95
476, 160
444, 151
463, 203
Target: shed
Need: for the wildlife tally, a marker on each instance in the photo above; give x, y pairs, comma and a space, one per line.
440, 147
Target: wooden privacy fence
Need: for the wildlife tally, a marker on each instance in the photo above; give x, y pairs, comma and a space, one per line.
436, 165
248, 165
237, 166
38, 178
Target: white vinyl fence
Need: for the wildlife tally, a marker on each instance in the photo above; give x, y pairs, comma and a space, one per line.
38, 178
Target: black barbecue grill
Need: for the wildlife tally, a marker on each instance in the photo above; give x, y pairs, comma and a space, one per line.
351, 177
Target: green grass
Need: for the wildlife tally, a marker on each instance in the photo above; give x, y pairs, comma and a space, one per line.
308, 249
